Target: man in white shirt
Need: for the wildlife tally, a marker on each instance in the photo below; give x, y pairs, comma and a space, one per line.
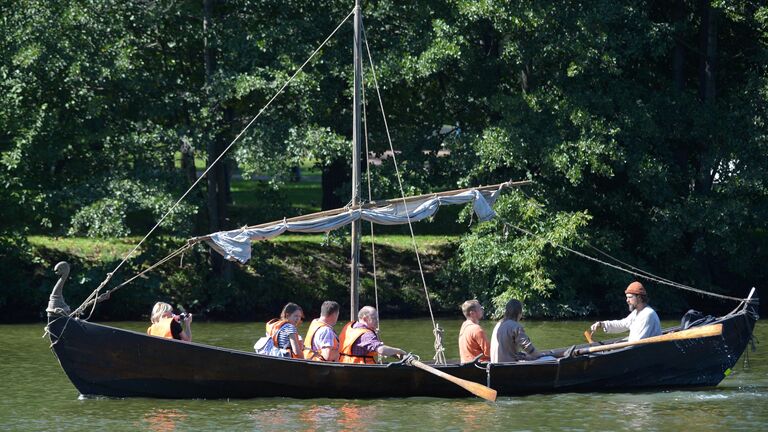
642, 322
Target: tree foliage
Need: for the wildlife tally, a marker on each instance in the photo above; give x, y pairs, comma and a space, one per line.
641, 122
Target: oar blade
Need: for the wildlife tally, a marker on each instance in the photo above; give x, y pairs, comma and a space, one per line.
476, 389
484, 392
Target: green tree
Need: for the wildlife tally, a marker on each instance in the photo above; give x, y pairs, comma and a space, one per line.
647, 116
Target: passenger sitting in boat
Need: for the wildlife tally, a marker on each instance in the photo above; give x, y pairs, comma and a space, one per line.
642, 322
166, 324
285, 333
359, 342
472, 339
509, 342
322, 344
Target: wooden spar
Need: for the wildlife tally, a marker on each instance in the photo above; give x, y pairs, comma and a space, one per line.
691, 333
354, 282
374, 204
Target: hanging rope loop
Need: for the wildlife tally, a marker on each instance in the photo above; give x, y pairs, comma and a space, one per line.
439, 348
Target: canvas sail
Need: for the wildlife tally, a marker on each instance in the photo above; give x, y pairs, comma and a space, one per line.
235, 245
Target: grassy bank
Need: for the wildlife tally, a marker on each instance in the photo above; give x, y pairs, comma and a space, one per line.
306, 269
104, 250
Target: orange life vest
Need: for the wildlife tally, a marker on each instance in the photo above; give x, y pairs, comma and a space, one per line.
273, 327
161, 328
314, 326
347, 338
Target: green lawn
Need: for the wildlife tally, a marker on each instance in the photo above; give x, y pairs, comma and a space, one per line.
199, 161
255, 202
111, 249
395, 241
90, 249
308, 167
305, 196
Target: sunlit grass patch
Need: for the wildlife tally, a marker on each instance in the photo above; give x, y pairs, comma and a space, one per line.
90, 249
395, 241
306, 196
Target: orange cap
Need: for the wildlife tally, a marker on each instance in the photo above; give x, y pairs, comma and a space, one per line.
635, 288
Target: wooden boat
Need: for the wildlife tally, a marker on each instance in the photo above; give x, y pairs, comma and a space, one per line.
107, 361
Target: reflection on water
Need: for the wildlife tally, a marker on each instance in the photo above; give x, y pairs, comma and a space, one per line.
162, 420
473, 415
38, 396
346, 417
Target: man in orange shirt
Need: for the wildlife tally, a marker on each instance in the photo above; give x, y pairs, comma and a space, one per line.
472, 339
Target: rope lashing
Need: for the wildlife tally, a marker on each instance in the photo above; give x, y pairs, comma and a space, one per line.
439, 349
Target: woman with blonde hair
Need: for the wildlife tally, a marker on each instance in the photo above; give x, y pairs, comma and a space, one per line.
166, 324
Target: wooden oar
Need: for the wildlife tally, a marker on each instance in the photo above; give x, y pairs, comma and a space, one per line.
476, 389
693, 333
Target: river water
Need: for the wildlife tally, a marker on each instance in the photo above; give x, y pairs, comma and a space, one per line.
36, 395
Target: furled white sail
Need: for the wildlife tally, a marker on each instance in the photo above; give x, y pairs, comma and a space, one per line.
235, 245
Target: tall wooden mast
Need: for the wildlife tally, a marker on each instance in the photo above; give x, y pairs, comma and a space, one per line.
354, 298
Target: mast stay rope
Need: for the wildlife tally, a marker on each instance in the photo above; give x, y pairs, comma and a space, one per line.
370, 198
439, 349
94, 296
623, 267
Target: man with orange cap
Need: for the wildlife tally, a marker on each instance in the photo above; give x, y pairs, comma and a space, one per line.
642, 322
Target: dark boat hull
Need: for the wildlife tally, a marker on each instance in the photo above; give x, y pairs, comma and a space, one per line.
106, 361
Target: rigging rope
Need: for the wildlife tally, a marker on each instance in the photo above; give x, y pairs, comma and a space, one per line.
438, 342
370, 198
639, 270
108, 294
221, 155
632, 270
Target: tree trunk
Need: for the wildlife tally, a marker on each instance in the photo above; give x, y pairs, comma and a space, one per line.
678, 59
188, 162
334, 176
707, 75
704, 160
708, 44
217, 183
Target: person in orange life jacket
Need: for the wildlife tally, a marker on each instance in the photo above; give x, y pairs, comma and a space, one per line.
472, 339
359, 342
166, 324
285, 331
321, 342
